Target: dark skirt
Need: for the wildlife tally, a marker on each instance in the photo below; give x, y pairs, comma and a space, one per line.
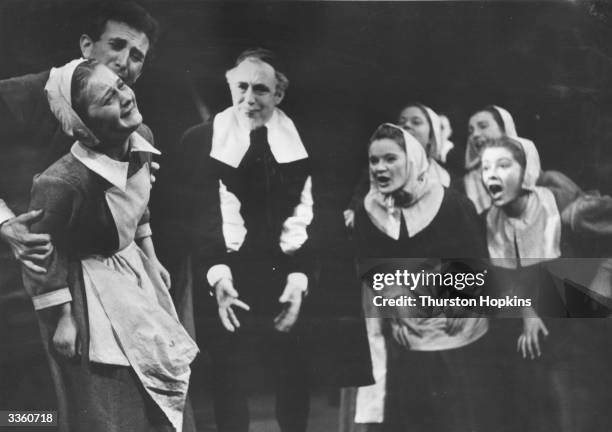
439, 391
95, 397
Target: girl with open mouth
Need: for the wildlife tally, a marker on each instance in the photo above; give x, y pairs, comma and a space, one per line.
408, 213
529, 227
425, 126
492, 123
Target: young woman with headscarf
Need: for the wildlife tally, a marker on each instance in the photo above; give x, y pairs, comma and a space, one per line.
529, 227
119, 357
425, 125
493, 122
407, 213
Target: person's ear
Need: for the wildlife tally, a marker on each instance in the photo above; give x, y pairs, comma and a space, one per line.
86, 44
279, 96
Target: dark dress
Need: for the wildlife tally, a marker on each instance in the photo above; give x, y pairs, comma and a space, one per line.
445, 389
572, 370
93, 225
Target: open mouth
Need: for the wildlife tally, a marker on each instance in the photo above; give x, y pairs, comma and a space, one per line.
495, 190
383, 180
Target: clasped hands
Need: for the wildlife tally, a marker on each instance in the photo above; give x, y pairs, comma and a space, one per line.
227, 299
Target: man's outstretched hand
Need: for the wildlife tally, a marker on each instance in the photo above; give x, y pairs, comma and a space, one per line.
291, 299
227, 297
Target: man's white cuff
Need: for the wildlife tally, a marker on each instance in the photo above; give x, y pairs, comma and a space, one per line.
298, 279
218, 272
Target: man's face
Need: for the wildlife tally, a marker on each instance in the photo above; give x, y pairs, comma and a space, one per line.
120, 47
254, 92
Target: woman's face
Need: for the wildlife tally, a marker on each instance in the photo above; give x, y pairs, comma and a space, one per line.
112, 113
388, 165
482, 127
501, 174
413, 120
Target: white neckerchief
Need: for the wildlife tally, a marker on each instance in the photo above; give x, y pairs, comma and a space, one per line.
535, 235
115, 172
537, 232
231, 139
427, 196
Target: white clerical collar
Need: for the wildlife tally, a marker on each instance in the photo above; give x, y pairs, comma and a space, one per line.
231, 139
115, 172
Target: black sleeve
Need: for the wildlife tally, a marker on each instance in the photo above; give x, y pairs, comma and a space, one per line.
187, 203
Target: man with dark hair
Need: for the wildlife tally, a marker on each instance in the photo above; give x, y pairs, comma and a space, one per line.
242, 197
120, 34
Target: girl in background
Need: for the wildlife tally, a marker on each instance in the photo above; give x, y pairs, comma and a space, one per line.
490, 123
425, 125
433, 359
529, 227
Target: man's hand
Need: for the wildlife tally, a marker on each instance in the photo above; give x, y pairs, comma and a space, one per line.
227, 296
529, 342
349, 218
65, 336
291, 299
31, 249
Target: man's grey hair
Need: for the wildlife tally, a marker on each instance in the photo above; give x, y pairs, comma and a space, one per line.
262, 55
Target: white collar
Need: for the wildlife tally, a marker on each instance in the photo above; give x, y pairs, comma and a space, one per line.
115, 172
417, 216
231, 139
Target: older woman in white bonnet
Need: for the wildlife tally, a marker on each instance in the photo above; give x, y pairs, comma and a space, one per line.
119, 358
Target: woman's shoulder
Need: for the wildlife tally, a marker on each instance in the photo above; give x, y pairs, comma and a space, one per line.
66, 173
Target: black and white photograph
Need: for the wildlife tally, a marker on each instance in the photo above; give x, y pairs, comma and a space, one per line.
305, 216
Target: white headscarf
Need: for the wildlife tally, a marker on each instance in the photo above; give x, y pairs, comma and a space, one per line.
472, 156
435, 151
58, 90
426, 195
536, 234
472, 181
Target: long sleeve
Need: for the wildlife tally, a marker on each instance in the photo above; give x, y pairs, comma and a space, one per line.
17, 102
59, 200
187, 211
5, 212
589, 215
